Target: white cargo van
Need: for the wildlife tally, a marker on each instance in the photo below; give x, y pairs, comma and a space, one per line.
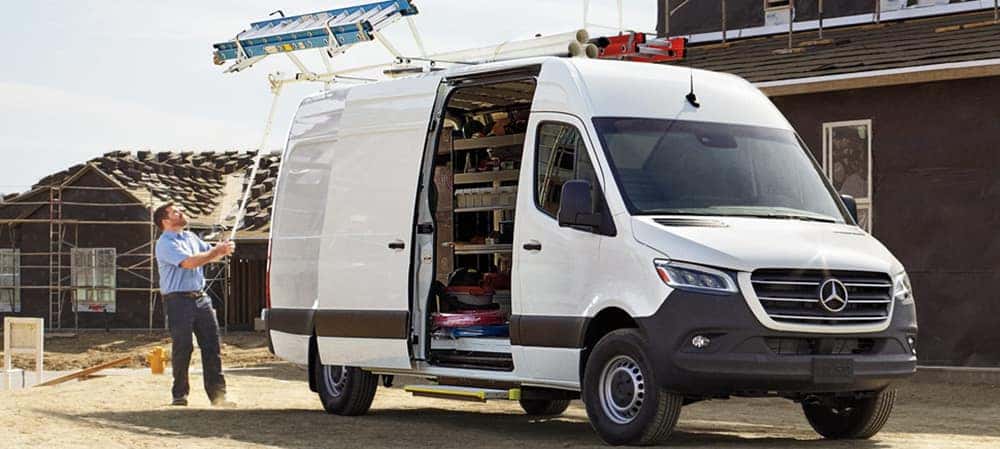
550, 229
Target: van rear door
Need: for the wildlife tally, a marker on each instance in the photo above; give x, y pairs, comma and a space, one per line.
363, 318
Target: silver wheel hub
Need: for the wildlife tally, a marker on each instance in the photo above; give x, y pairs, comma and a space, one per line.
623, 389
334, 379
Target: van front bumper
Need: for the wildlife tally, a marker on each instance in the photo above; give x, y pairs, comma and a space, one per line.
743, 357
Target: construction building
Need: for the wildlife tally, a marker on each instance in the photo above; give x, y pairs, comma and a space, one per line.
76, 249
898, 102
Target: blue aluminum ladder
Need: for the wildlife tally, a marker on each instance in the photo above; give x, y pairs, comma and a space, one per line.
332, 30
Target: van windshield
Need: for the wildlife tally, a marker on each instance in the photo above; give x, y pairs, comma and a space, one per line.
676, 167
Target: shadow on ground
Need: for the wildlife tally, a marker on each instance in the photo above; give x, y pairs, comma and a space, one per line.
421, 427
283, 371
936, 412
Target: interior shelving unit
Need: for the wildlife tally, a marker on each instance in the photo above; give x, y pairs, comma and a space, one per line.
489, 179
494, 179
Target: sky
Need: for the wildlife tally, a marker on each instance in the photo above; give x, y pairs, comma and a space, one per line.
84, 78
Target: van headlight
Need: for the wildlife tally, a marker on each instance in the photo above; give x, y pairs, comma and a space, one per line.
901, 289
687, 276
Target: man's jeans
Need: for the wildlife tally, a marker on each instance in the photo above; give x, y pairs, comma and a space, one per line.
184, 316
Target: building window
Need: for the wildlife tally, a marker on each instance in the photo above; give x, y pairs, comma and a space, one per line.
93, 279
893, 5
777, 12
847, 161
10, 280
776, 4
923, 3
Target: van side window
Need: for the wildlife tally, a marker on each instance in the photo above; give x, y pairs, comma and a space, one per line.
560, 156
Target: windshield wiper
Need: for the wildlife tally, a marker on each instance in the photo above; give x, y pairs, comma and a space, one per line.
780, 216
678, 212
791, 217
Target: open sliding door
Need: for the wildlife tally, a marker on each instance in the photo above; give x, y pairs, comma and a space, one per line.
363, 316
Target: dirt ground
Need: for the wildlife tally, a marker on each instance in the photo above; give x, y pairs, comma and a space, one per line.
277, 410
87, 349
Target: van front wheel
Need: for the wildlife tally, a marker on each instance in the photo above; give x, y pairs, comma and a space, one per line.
624, 401
850, 418
345, 390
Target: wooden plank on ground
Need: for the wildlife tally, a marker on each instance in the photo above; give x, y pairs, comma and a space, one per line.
60, 335
86, 372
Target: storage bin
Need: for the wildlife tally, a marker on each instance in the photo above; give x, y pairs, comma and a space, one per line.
473, 295
506, 196
467, 318
466, 198
497, 330
486, 197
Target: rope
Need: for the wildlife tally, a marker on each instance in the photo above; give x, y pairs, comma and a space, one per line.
276, 92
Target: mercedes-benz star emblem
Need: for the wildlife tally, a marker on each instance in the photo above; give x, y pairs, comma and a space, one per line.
833, 295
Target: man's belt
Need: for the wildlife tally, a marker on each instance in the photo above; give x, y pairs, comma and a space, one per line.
197, 294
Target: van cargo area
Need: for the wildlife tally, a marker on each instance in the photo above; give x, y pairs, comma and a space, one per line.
476, 167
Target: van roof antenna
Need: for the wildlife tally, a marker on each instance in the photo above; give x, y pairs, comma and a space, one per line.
691, 97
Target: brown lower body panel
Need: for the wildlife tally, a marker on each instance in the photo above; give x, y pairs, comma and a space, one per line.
392, 324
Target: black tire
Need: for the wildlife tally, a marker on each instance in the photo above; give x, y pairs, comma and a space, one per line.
346, 391
544, 407
622, 395
850, 418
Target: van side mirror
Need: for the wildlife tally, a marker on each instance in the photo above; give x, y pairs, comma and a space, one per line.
852, 206
576, 205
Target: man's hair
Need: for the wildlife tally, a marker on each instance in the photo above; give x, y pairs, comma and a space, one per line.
160, 214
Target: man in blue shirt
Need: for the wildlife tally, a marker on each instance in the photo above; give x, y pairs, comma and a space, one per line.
180, 256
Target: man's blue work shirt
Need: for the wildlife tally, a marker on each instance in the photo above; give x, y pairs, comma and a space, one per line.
171, 249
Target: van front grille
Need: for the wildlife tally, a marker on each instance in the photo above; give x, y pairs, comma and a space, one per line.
793, 296
820, 346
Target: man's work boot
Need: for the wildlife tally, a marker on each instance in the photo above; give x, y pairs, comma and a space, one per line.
221, 401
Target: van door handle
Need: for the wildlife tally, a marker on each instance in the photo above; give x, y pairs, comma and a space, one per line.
397, 245
533, 245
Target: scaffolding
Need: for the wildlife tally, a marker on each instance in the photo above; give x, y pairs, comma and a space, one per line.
64, 237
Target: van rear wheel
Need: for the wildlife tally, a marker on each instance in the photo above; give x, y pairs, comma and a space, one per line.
850, 418
345, 390
622, 395
544, 407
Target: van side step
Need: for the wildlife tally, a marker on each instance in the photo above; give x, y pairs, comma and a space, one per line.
473, 360
463, 393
